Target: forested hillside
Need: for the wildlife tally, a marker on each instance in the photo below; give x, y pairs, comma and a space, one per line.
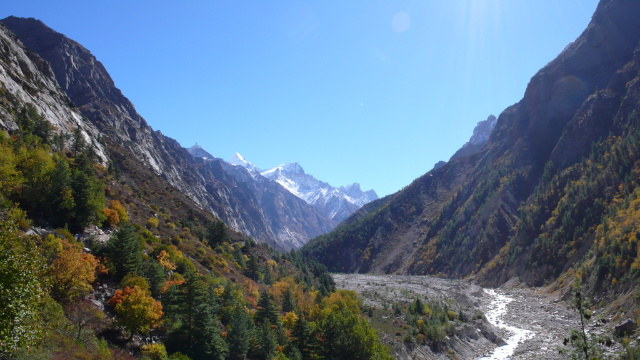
101, 258
553, 192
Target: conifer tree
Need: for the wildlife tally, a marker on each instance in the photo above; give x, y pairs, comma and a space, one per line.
288, 301
239, 333
267, 310
267, 342
125, 251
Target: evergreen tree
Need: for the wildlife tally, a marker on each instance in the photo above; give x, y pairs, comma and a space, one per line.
302, 338
253, 269
267, 310
61, 202
200, 328
216, 233
88, 194
267, 342
154, 273
239, 333
288, 301
125, 251
79, 143
268, 275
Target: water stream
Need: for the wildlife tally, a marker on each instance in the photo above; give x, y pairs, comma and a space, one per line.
497, 309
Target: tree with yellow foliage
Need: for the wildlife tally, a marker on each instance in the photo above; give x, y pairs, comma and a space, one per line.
72, 272
137, 312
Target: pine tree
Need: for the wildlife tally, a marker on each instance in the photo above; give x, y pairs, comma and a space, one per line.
239, 333
267, 310
200, 323
267, 342
79, 142
288, 301
88, 194
302, 338
253, 269
216, 233
268, 275
125, 251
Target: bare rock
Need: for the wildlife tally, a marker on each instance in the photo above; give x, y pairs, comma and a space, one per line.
626, 328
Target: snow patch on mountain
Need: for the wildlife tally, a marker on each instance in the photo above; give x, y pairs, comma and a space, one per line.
238, 159
336, 203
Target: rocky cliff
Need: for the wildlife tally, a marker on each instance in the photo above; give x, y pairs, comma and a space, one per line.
126, 134
27, 76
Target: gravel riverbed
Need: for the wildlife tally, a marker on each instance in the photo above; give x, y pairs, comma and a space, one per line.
541, 319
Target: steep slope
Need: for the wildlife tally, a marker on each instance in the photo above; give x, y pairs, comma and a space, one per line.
87, 83
530, 203
286, 215
481, 134
28, 77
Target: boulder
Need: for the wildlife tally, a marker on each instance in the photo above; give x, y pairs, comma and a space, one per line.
626, 328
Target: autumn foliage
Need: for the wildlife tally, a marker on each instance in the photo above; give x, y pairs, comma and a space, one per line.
137, 312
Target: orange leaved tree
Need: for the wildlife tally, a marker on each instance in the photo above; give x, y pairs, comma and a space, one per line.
137, 312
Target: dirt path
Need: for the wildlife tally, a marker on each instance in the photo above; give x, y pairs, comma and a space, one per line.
539, 321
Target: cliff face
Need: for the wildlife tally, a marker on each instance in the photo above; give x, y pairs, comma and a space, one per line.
29, 77
528, 203
113, 117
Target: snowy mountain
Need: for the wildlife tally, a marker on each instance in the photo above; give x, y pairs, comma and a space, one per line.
237, 159
335, 203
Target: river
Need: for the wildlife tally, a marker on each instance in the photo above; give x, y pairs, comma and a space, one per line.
533, 323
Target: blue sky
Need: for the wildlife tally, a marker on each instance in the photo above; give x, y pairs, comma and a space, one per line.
366, 91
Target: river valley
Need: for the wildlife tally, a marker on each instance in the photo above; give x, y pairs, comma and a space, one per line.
518, 322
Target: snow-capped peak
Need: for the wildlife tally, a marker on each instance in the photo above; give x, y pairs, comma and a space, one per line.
238, 159
336, 203
293, 168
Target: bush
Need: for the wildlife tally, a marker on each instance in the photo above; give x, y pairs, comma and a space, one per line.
152, 223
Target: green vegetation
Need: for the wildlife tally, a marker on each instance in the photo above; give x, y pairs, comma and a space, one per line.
172, 272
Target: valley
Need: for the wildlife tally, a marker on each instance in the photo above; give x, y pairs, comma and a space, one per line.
522, 323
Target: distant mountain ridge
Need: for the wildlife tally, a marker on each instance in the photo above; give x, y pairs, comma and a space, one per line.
335, 203
268, 214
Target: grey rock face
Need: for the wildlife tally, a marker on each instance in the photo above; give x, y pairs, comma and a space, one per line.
27, 76
480, 136
111, 115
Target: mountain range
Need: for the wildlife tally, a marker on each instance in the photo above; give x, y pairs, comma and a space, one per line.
551, 193
73, 76
334, 203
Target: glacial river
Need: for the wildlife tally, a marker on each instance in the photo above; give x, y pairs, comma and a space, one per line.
497, 310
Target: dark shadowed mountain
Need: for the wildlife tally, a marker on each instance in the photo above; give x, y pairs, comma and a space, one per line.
547, 195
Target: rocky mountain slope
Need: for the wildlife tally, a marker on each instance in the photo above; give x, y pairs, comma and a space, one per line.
28, 77
553, 192
276, 218
481, 134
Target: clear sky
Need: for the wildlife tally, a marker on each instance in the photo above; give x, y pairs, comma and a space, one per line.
366, 91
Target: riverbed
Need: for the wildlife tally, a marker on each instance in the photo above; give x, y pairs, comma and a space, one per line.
532, 323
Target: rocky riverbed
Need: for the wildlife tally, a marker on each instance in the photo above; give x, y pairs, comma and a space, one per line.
519, 322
